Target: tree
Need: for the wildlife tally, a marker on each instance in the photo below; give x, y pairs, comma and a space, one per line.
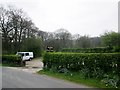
59, 39
15, 27
83, 42
4, 27
111, 39
32, 45
64, 38
95, 42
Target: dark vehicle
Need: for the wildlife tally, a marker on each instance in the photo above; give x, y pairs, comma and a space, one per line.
49, 49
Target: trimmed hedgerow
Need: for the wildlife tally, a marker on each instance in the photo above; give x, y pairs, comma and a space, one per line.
11, 60
92, 65
91, 50
76, 61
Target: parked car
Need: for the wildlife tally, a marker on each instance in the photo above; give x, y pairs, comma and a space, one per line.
25, 55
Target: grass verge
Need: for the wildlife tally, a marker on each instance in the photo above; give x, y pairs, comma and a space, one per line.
9, 65
76, 78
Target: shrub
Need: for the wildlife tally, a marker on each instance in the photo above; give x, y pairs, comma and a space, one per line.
11, 60
111, 80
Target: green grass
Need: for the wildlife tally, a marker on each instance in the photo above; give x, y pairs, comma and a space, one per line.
9, 65
76, 77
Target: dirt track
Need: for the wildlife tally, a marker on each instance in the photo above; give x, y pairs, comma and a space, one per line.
35, 63
31, 66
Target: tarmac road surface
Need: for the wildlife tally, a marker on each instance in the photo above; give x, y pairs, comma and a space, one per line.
13, 78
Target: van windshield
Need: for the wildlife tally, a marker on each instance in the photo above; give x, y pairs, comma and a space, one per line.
21, 54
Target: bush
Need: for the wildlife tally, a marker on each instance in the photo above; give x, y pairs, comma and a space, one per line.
11, 60
111, 80
92, 65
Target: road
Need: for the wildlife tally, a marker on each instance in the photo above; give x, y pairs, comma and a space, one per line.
13, 78
31, 66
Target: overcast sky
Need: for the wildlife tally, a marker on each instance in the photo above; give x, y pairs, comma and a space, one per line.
85, 17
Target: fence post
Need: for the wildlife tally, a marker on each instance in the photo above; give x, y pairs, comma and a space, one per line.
23, 63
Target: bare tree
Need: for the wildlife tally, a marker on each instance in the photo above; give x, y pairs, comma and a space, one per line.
5, 26
83, 42
59, 39
15, 26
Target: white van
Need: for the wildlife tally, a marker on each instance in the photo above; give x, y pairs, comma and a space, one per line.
25, 55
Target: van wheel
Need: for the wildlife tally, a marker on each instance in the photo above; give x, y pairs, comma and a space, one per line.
30, 59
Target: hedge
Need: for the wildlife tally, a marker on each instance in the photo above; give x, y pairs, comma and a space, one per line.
11, 60
103, 66
92, 50
107, 62
104, 61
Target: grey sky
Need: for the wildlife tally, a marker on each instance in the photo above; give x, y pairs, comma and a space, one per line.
86, 17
